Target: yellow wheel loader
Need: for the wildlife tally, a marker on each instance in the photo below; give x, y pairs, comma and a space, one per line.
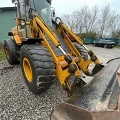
42, 44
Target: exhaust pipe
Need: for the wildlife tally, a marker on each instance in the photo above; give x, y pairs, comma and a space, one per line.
97, 100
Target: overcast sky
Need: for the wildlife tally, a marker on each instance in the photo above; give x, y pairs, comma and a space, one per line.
68, 6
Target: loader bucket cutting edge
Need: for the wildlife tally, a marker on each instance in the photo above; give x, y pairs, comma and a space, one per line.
97, 100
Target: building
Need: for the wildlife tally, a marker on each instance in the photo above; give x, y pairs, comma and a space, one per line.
7, 15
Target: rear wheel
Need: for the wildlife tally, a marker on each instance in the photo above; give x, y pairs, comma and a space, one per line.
82, 51
110, 46
11, 50
37, 67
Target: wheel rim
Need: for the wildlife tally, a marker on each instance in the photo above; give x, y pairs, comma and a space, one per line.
27, 69
7, 52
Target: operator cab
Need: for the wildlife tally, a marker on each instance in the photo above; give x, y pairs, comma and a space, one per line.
42, 7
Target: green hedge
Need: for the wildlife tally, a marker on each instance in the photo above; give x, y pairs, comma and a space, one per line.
2, 55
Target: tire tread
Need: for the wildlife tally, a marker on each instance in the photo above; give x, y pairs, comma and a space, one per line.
43, 66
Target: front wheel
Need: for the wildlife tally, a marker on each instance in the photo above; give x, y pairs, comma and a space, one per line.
37, 67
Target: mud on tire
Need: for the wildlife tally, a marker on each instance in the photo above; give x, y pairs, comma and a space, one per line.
11, 50
41, 65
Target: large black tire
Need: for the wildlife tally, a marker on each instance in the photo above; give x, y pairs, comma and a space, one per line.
82, 51
11, 50
37, 67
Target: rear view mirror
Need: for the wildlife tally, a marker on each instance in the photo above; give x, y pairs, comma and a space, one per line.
49, 1
13, 1
53, 11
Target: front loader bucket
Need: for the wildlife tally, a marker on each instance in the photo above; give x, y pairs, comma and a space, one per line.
97, 100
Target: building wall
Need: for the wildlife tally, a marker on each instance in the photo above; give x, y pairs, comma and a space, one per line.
6, 23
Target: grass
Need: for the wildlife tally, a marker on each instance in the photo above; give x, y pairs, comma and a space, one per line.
2, 55
117, 46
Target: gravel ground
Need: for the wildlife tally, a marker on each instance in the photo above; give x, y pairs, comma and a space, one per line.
105, 54
18, 103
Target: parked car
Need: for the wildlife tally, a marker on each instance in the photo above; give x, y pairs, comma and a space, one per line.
104, 43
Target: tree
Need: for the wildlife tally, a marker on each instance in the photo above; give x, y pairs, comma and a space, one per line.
115, 25
103, 21
116, 34
90, 34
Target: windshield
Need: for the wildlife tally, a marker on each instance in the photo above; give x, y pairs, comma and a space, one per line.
44, 10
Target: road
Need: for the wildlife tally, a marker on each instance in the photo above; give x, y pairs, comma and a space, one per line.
105, 54
18, 103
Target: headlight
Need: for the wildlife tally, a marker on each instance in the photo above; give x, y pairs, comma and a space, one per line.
22, 22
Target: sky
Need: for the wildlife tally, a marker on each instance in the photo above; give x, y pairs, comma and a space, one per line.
68, 6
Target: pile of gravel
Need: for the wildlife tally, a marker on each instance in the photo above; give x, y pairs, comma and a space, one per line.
18, 103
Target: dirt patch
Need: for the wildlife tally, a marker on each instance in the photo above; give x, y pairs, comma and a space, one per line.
6, 69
